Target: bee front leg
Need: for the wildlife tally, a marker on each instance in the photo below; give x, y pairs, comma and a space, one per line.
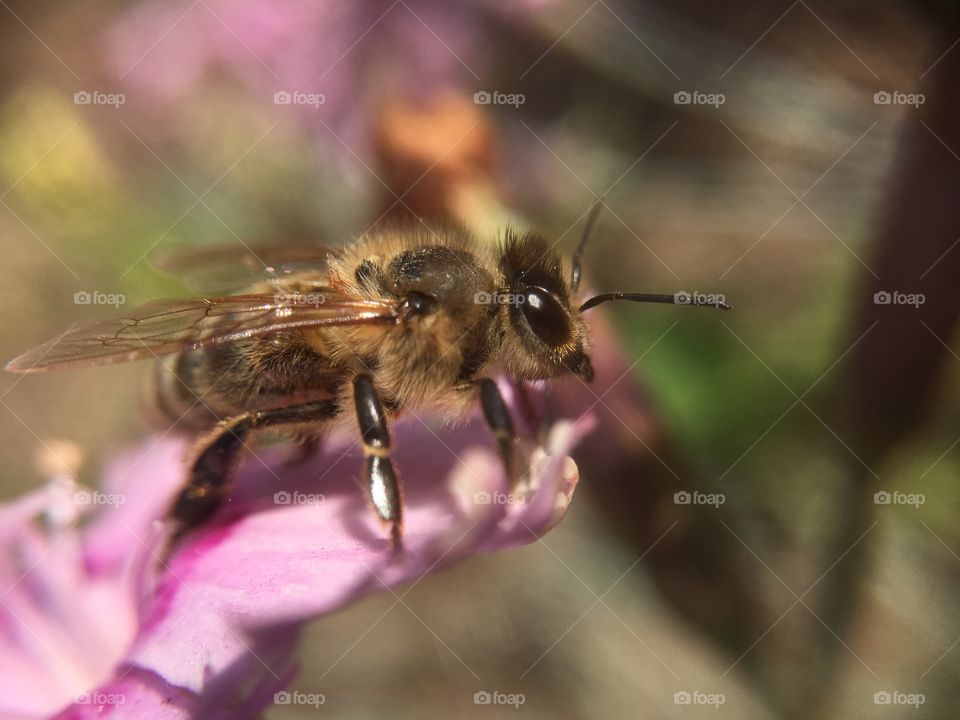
382, 483
497, 415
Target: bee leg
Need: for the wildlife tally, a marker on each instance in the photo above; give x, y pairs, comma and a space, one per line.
208, 476
217, 456
382, 483
497, 415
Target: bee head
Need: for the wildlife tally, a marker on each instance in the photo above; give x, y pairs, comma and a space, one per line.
551, 334
547, 329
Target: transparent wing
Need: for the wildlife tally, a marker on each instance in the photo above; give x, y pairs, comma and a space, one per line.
169, 326
228, 268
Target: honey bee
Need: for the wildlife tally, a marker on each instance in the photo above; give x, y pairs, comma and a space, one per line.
404, 318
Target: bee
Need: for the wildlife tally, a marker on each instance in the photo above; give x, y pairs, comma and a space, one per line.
405, 318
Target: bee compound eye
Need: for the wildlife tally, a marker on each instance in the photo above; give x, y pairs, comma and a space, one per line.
545, 316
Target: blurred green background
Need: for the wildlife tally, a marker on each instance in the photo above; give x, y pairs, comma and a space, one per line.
798, 196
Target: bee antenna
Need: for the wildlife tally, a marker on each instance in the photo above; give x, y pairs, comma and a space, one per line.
675, 299
584, 239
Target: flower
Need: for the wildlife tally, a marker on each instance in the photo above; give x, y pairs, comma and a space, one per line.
330, 65
95, 626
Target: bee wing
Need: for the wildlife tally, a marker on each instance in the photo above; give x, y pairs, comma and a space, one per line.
168, 326
227, 268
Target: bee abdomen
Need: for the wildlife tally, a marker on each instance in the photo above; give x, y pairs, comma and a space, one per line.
198, 388
178, 398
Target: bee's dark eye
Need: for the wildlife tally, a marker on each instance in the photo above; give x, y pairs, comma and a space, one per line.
545, 316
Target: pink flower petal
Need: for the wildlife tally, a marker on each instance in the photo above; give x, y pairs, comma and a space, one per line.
214, 633
289, 562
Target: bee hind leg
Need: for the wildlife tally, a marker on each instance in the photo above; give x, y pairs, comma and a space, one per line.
208, 476
217, 457
383, 485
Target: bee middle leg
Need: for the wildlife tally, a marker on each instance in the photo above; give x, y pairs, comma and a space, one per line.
219, 452
382, 483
